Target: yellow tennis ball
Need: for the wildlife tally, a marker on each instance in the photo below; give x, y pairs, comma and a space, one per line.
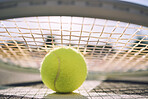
63, 70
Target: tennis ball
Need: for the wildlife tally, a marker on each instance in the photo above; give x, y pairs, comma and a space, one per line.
63, 70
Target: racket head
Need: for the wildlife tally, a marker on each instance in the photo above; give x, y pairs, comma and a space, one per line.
104, 43
105, 9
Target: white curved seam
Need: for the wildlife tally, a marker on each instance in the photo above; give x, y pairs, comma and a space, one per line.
58, 72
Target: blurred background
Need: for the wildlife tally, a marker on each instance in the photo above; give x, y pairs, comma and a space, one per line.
114, 44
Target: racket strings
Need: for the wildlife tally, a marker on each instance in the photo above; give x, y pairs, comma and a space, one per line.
107, 45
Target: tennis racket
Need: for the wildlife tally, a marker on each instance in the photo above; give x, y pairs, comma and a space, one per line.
112, 35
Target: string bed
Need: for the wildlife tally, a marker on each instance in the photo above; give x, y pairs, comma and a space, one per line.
108, 46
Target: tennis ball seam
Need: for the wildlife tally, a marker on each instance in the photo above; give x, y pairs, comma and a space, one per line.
58, 72
56, 60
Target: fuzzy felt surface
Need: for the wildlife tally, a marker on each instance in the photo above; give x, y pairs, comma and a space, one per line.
63, 70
